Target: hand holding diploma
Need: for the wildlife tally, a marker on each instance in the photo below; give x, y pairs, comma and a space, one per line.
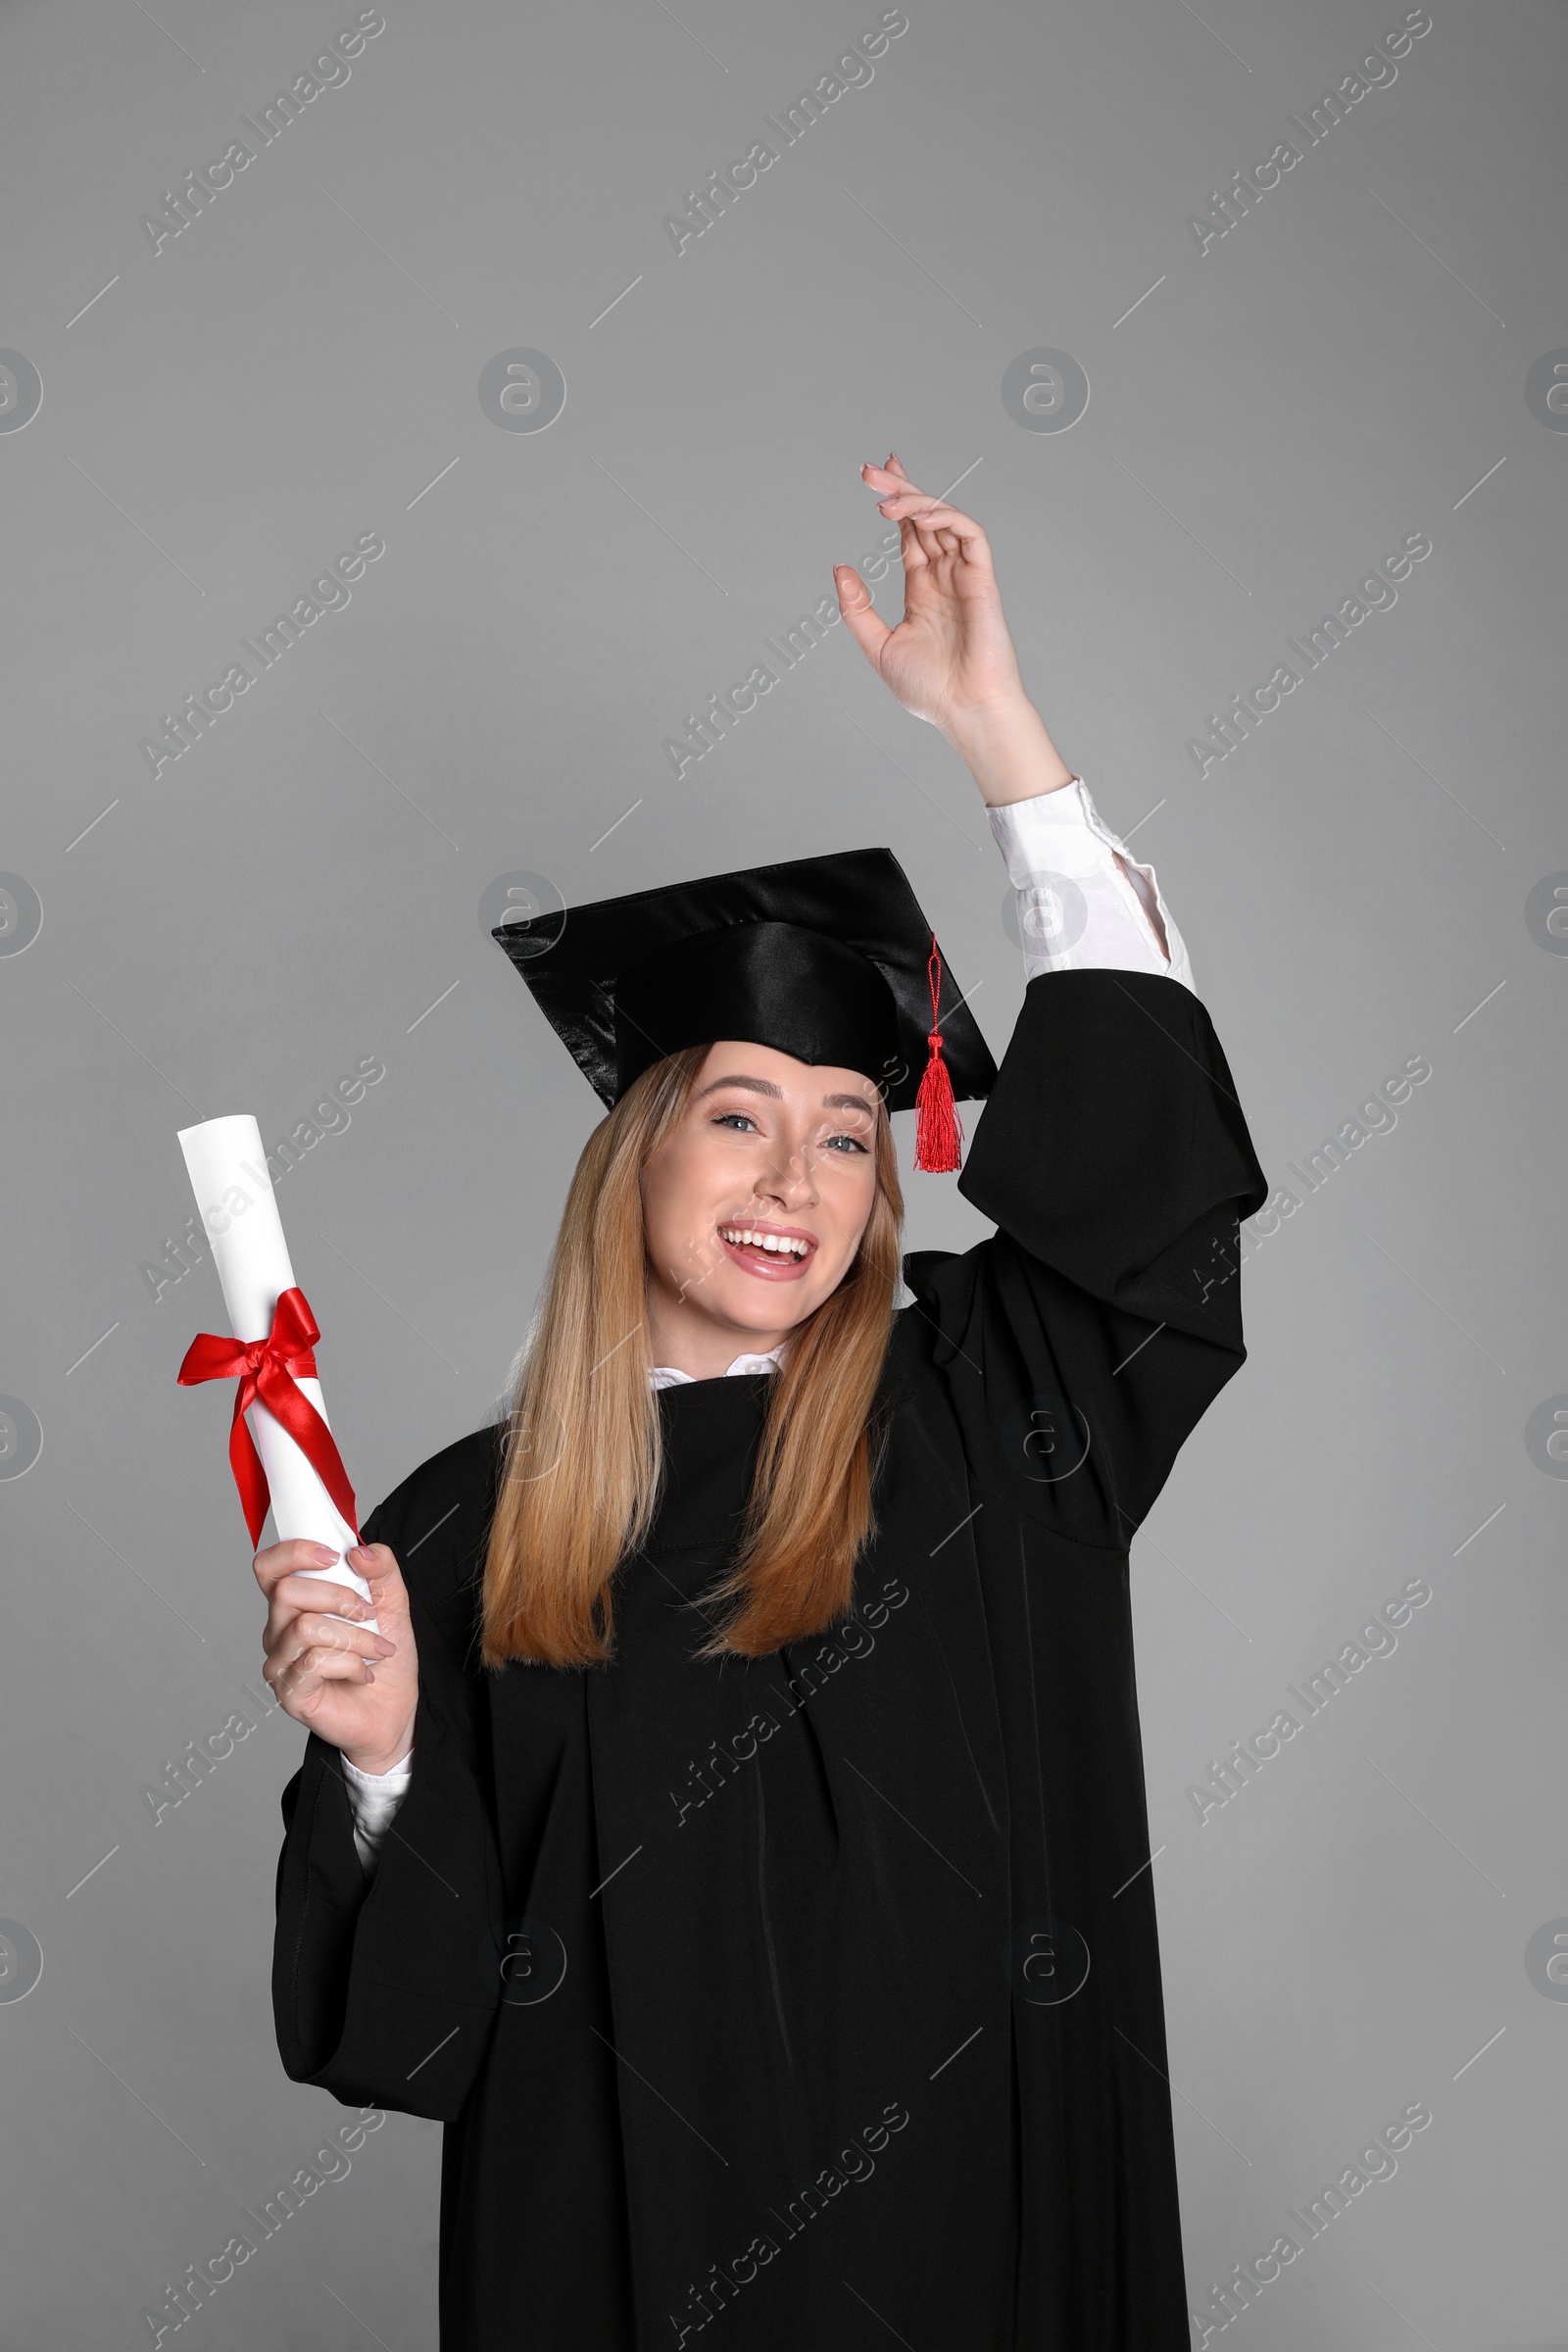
321, 1667
283, 1455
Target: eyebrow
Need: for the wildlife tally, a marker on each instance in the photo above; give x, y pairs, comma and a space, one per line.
766, 1086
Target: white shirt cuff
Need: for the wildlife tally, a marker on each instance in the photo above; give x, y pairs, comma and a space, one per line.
373, 1798
1077, 910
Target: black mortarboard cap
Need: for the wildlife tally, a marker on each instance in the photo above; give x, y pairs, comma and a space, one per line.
830, 959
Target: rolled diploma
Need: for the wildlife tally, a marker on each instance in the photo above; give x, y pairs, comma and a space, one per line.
238, 1210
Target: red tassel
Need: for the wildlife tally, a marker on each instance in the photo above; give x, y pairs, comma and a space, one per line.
938, 1132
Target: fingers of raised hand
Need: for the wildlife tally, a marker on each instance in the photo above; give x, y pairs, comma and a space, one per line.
894, 489
895, 492
853, 592
939, 528
866, 625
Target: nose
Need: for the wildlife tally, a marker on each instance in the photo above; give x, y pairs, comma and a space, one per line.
790, 1176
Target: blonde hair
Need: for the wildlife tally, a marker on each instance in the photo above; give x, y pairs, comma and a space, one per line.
582, 1459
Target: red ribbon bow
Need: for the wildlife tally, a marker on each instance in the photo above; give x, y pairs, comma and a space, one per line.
266, 1371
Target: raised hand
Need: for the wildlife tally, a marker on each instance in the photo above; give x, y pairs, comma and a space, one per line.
951, 653
951, 659
319, 1664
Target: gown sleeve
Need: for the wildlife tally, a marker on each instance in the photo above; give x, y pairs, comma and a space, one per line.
387, 1993
1088, 1334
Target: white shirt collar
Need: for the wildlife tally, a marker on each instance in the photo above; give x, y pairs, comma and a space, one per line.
665, 1376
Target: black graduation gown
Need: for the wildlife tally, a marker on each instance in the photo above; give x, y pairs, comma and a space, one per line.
784, 2002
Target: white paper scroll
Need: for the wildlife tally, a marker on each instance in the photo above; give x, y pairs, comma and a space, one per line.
238, 1210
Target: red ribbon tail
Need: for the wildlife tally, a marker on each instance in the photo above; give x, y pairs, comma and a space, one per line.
938, 1134
293, 1410
249, 1476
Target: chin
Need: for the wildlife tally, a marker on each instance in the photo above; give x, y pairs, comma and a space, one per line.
746, 1315
778, 1309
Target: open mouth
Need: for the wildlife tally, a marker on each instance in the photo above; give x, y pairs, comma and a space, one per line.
776, 1253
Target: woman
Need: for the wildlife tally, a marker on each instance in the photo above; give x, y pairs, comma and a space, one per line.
736, 1834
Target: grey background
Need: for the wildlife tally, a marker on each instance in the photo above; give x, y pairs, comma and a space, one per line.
1341, 369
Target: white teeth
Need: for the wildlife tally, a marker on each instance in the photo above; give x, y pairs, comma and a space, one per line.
778, 1244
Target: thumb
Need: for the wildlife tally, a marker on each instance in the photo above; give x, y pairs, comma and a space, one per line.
869, 631
378, 1564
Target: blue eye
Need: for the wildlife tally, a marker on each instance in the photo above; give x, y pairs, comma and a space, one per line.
851, 1143
736, 1119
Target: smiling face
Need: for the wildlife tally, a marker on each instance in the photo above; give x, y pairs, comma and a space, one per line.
755, 1205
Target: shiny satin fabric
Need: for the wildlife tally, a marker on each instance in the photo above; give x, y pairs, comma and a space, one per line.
824, 958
